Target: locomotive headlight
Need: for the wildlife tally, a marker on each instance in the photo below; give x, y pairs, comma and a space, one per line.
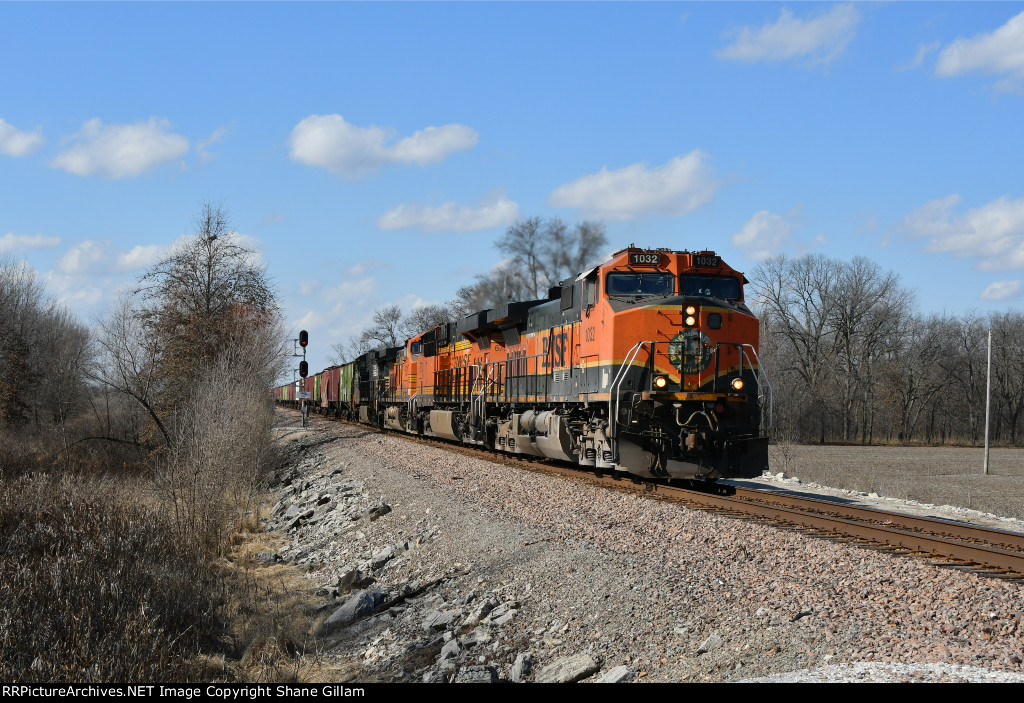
660, 382
691, 321
691, 310
737, 384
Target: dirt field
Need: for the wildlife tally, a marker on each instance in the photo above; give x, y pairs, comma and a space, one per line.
941, 475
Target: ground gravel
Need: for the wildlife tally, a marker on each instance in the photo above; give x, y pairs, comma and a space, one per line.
530, 570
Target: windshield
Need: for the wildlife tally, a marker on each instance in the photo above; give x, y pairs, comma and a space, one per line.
727, 287
621, 283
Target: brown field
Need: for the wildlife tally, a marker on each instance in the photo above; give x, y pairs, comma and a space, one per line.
938, 475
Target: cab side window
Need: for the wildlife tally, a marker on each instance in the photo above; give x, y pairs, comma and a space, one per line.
590, 291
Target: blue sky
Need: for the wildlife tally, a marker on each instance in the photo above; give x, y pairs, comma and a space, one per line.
374, 152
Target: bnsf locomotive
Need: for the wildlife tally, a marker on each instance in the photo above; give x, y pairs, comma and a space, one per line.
646, 364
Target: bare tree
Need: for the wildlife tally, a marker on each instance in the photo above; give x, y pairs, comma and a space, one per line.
208, 295
424, 319
128, 361
539, 254
22, 307
62, 384
1008, 367
195, 296
797, 299
385, 328
868, 306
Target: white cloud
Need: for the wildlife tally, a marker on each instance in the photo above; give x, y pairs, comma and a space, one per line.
138, 257
362, 267
680, 186
15, 142
765, 234
998, 52
495, 210
922, 52
1002, 290
993, 234
120, 150
12, 242
349, 151
91, 257
82, 297
820, 38
433, 144
83, 257
201, 147
309, 287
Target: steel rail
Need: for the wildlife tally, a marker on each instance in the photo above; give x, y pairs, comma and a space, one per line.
1013, 541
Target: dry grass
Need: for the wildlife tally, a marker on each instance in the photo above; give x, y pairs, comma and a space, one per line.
95, 587
937, 475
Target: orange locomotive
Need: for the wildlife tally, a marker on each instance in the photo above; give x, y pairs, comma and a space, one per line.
646, 364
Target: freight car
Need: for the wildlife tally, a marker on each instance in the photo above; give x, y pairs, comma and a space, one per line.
646, 364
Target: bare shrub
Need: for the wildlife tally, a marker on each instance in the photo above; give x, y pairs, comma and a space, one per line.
222, 448
782, 454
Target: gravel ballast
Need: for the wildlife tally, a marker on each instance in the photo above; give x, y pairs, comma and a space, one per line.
481, 571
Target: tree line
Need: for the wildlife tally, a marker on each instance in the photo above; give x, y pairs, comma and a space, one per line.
851, 358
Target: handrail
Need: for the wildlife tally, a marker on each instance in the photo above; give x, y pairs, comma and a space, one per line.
760, 376
617, 381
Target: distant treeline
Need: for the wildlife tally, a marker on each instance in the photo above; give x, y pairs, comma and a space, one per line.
852, 359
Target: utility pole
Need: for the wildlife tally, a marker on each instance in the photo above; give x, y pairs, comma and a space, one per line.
988, 397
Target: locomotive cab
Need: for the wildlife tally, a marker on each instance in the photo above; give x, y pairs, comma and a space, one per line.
686, 394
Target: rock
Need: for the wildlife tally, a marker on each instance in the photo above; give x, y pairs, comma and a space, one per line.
712, 642
505, 618
382, 557
363, 579
358, 605
568, 669
617, 675
504, 608
451, 650
480, 635
293, 512
440, 620
378, 510
477, 674
486, 606
435, 676
347, 577
521, 667
269, 557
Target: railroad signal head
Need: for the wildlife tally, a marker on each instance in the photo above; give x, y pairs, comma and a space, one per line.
303, 368
303, 340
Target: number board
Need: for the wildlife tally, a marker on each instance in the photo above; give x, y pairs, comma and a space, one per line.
636, 259
705, 260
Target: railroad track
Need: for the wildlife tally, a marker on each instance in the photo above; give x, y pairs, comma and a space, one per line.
944, 543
